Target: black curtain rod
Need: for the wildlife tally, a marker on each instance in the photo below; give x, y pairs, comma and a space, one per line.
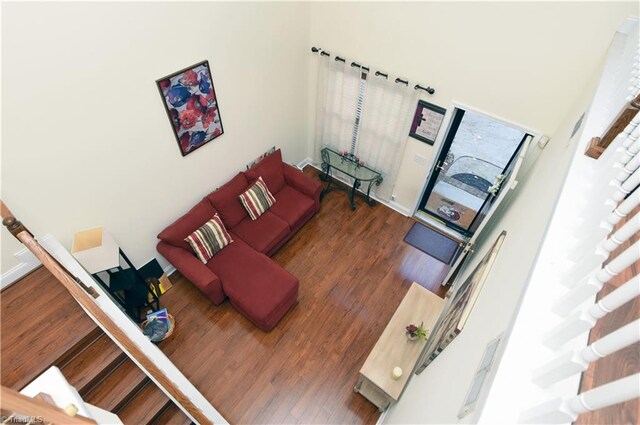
322, 52
427, 89
399, 80
357, 65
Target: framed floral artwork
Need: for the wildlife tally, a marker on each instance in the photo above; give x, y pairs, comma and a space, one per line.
191, 104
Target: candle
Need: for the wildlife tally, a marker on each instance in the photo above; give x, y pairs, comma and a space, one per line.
396, 373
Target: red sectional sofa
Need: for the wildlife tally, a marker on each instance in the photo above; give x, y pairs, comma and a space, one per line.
242, 271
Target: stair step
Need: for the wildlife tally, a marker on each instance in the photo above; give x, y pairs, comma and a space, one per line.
92, 364
145, 406
172, 416
117, 388
41, 326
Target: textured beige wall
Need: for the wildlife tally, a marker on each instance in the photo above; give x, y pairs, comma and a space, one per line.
86, 141
522, 61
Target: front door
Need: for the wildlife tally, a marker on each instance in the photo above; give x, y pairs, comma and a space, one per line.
477, 155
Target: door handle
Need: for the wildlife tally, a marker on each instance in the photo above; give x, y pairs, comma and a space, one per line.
440, 165
497, 184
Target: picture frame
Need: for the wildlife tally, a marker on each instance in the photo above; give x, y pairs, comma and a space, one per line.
457, 309
427, 121
191, 104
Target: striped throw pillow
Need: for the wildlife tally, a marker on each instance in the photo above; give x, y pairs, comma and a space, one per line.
257, 199
209, 239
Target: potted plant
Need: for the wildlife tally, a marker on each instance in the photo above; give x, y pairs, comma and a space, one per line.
416, 332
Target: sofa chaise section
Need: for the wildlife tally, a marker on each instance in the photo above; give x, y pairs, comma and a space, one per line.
256, 286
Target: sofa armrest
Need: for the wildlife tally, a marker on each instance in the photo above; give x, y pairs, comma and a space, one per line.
193, 269
302, 183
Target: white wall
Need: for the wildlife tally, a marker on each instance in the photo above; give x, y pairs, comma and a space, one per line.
86, 141
525, 221
524, 62
82, 114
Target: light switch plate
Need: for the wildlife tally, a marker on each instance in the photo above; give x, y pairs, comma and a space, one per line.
420, 159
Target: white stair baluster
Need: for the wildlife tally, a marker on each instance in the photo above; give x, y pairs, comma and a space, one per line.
624, 208
621, 235
629, 168
577, 361
563, 410
625, 188
581, 321
618, 264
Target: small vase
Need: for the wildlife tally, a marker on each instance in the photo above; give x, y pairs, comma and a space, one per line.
411, 337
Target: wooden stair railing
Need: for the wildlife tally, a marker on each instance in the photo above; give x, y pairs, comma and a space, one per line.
89, 360
14, 402
84, 296
598, 145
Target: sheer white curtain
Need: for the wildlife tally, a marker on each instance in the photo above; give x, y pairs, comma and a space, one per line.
337, 96
388, 112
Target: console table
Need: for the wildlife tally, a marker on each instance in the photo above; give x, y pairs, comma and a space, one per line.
394, 349
350, 166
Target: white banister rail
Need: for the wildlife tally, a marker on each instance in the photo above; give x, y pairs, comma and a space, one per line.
623, 209
603, 275
563, 410
627, 186
622, 235
581, 322
586, 278
591, 241
577, 361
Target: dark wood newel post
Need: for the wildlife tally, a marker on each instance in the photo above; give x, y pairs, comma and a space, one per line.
14, 226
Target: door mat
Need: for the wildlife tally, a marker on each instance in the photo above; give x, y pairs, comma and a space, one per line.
432, 243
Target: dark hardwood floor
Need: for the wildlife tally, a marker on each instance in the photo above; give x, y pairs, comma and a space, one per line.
622, 363
354, 269
36, 313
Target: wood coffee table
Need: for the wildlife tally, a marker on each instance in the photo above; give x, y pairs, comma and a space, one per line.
394, 349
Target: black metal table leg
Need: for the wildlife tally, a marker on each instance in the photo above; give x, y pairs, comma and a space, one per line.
326, 177
370, 202
356, 185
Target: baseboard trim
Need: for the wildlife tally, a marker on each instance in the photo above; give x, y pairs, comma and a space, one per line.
15, 273
390, 204
382, 416
27, 263
400, 208
304, 163
169, 270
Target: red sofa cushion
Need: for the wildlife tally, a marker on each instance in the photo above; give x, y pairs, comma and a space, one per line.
259, 288
226, 200
264, 233
271, 170
174, 234
292, 206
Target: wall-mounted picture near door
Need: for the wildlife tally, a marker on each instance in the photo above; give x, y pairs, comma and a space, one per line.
426, 122
455, 313
191, 104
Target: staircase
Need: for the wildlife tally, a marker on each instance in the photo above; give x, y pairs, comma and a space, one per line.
43, 326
